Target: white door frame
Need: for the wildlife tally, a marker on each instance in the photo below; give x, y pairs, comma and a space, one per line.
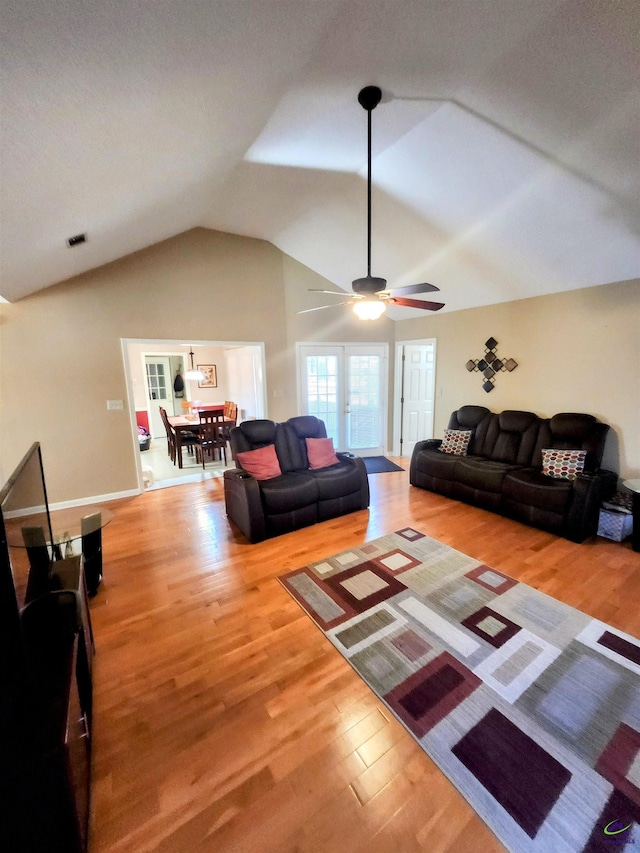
346, 346
398, 388
180, 342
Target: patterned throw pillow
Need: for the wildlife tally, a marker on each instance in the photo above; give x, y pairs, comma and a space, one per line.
563, 464
456, 441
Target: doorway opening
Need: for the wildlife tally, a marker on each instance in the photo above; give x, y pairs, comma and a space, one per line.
155, 371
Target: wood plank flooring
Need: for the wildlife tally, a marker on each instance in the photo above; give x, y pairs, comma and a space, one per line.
223, 718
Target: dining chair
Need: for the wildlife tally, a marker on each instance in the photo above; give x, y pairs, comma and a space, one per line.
230, 418
91, 529
171, 436
183, 438
211, 438
177, 439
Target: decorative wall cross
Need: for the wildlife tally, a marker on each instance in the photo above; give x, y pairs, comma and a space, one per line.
490, 364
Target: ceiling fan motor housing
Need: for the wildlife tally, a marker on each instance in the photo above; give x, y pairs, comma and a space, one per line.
368, 285
369, 97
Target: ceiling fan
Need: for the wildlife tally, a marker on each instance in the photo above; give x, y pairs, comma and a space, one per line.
371, 297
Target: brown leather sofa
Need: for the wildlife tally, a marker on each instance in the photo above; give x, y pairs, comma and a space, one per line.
299, 496
502, 470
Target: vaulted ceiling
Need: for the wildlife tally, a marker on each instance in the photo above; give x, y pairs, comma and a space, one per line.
505, 149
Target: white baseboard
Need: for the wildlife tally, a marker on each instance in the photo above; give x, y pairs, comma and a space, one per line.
96, 499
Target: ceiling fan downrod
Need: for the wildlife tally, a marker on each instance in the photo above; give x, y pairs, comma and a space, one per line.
371, 295
369, 98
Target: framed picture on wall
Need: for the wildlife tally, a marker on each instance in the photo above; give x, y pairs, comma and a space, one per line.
210, 376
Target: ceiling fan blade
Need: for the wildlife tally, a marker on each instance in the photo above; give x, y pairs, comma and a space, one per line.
322, 307
416, 303
413, 288
331, 292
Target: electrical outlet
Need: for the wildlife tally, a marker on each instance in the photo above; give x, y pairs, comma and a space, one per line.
115, 405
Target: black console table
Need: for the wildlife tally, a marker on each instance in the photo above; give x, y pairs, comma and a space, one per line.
52, 765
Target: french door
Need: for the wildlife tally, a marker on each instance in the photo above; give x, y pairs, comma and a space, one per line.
345, 385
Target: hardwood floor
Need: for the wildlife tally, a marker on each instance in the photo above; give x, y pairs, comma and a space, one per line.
223, 718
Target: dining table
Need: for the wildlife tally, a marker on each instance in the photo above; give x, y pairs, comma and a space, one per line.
191, 423
194, 408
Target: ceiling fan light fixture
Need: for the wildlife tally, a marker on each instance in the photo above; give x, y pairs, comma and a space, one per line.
369, 309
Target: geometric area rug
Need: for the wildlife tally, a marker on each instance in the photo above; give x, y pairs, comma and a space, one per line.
530, 707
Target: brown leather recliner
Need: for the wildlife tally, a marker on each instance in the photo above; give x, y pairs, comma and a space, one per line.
299, 496
503, 471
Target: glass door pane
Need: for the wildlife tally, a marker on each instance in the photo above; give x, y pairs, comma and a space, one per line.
321, 373
156, 381
364, 409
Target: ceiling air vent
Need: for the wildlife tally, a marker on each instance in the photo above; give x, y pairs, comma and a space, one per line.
76, 240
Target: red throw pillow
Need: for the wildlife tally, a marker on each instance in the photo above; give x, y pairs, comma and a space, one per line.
261, 463
320, 452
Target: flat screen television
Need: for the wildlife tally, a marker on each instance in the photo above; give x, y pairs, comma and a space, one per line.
23, 507
23, 503
23, 723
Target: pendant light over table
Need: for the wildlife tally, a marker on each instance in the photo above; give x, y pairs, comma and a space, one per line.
192, 373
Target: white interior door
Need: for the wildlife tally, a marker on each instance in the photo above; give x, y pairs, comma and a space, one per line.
345, 386
159, 391
415, 380
245, 381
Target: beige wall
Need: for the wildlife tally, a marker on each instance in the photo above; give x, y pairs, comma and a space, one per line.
202, 354
61, 356
337, 324
577, 351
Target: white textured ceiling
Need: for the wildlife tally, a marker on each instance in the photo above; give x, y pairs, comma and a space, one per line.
506, 147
